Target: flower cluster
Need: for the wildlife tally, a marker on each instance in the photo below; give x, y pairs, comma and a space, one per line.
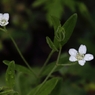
4, 19
80, 55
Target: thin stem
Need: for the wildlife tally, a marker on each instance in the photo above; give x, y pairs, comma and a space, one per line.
50, 72
49, 56
67, 64
20, 53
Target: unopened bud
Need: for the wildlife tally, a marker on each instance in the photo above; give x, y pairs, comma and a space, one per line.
60, 33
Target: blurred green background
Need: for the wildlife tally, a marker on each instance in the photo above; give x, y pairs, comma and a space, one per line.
30, 23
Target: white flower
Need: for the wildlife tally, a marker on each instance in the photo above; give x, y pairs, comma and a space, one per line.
4, 19
80, 55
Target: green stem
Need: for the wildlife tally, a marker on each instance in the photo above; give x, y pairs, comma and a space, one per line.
20, 53
49, 73
49, 56
67, 64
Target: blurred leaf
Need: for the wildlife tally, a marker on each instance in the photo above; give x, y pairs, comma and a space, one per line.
10, 74
83, 10
19, 68
7, 91
70, 4
2, 79
89, 44
51, 44
90, 86
84, 72
53, 8
47, 87
70, 88
26, 82
55, 22
22, 38
63, 60
57, 89
86, 14
38, 3
1, 46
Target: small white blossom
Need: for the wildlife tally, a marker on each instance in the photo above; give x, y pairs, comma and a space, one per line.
80, 55
4, 19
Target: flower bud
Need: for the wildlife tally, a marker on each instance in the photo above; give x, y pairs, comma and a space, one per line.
60, 34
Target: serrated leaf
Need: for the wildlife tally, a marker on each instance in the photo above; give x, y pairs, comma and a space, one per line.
51, 44
47, 87
10, 74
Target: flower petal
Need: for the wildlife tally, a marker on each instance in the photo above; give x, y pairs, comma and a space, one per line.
4, 24
88, 57
82, 49
6, 16
1, 15
81, 62
72, 52
72, 59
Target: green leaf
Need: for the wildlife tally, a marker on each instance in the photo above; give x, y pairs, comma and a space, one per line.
47, 87
51, 44
10, 74
68, 27
6, 62
57, 89
38, 3
7, 91
23, 69
53, 8
19, 68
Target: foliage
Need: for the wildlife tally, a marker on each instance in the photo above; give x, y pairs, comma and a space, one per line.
46, 86
30, 22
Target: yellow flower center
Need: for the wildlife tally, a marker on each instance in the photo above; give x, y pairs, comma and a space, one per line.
79, 56
3, 21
